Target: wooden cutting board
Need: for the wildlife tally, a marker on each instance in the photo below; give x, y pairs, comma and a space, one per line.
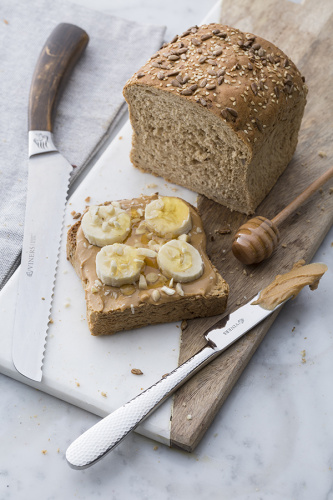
304, 32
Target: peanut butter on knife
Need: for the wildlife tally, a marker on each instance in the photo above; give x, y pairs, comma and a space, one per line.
290, 284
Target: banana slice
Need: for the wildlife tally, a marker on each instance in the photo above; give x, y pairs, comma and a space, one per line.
119, 264
105, 225
180, 260
168, 216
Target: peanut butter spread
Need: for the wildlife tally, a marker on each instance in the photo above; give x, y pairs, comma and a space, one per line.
105, 298
290, 284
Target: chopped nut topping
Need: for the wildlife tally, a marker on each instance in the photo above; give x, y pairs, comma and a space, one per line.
143, 282
156, 295
179, 290
168, 291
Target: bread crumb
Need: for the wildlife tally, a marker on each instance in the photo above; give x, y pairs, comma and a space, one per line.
183, 325
293, 329
77, 384
104, 394
44, 452
165, 375
136, 371
223, 231
51, 321
155, 448
5, 21
120, 137
322, 154
189, 417
284, 245
245, 272
87, 200
303, 353
151, 186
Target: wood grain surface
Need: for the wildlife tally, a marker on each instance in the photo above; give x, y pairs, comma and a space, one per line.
303, 31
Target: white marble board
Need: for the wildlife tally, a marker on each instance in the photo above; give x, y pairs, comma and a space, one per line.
91, 372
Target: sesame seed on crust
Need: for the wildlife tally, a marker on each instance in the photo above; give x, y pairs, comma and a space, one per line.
225, 67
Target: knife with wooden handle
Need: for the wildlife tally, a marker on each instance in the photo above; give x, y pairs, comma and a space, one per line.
48, 180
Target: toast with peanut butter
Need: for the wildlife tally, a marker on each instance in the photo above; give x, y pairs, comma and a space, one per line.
143, 261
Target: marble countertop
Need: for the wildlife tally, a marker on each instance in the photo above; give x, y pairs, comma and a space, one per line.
272, 439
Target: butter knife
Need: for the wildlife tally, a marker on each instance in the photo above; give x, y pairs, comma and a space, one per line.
103, 437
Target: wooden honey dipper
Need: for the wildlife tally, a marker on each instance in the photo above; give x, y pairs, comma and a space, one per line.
256, 240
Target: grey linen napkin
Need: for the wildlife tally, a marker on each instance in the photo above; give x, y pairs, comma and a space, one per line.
90, 107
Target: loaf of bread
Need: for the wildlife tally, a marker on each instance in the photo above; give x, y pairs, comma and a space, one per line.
151, 297
217, 111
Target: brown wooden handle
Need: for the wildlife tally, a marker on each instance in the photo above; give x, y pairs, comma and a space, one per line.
297, 202
56, 61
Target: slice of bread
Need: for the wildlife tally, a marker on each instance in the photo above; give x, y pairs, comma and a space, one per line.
111, 309
217, 111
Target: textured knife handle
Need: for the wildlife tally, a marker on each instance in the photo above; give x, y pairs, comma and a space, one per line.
110, 431
56, 61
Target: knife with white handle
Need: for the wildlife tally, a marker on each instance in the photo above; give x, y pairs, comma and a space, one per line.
103, 437
48, 181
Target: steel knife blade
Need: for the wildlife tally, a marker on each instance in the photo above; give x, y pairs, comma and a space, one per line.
103, 437
48, 181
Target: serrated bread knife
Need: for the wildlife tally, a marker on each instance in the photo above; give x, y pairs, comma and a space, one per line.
103, 437
48, 180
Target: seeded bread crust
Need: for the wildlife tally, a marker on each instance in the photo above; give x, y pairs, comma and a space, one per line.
189, 307
218, 111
